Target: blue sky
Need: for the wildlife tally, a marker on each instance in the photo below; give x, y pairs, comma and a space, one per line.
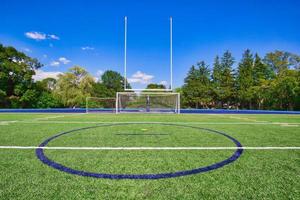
90, 33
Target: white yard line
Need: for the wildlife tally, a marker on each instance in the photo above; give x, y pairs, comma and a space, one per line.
150, 148
134, 122
49, 117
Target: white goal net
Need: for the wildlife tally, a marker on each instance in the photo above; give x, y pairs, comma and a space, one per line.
97, 104
155, 102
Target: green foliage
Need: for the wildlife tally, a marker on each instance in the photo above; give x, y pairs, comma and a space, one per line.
271, 83
245, 80
73, 87
16, 71
110, 83
223, 80
155, 86
197, 87
282, 60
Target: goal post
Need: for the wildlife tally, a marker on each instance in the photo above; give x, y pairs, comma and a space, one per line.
98, 104
170, 88
147, 102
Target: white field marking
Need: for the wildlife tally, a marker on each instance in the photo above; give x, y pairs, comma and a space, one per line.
49, 117
150, 148
246, 119
133, 122
288, 125
7, 122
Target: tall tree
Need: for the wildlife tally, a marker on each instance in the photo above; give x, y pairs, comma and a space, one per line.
74, 86
261, 88
287, 89
110, 83
227, 79
196, 90
278, 61
216, 81
16, 71
192, 74
245, 80
155, 86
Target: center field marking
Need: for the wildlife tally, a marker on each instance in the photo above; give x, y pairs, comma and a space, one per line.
150, 148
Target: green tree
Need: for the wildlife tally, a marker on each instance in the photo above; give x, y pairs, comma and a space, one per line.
47, 84
16, 83
155, 86
216, 80
245, 80
262, 75
110, 83
278, 61
46, 97
227, 91
223, 80
113, 80
196, 90
286, 91
74, 86
189, 88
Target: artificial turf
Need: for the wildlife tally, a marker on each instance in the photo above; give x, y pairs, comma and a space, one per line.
257, 174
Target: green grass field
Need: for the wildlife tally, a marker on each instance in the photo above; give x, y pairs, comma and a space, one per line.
257, 174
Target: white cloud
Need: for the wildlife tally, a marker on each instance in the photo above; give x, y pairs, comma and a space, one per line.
54, 37
99, 73
36, 35
54, 63
163, 83
96, 79
40, 75
64, 60
140, 77
61, 60
41, 36
45, 56
87, 48
27, 50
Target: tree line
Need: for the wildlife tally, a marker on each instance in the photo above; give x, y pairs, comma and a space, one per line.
70, 89
271, 82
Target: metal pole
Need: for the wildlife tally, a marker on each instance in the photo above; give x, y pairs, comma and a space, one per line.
171, 51
178, 104
117, 99
86, 105
125, 52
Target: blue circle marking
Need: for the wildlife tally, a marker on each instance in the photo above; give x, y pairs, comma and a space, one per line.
42, 157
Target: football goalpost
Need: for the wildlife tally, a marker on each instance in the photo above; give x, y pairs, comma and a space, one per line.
136, 100
103, 105
147, 102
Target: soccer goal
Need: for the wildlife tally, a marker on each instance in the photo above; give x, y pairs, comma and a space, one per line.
97, 104
148, 102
